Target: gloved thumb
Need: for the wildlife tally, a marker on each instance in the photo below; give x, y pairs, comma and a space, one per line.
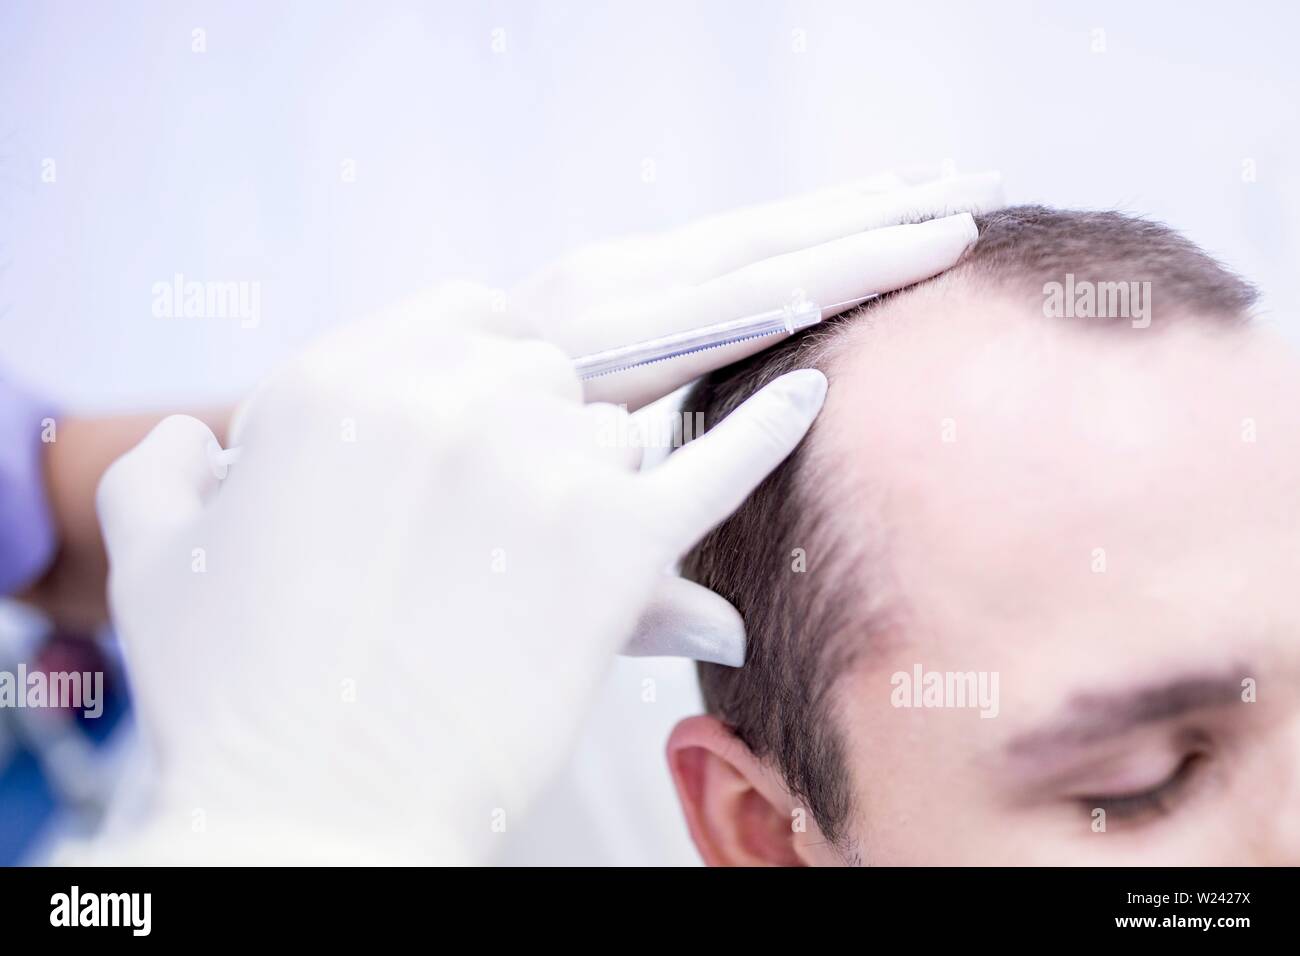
685, 619
159, 486
704, 482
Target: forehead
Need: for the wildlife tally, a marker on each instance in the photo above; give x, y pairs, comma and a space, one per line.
1038, 478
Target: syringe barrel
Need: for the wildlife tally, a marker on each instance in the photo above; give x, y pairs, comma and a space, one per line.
788, 319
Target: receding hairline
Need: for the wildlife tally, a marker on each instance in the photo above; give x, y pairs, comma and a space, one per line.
776, 699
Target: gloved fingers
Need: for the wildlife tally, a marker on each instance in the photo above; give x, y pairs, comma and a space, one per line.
846, 269
577, 290
684, 619
615, 435
573, 293
159, 486
724, 243
704, 482
663, 426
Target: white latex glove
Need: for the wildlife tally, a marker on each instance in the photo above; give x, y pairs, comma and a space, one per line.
832, 246
374, 638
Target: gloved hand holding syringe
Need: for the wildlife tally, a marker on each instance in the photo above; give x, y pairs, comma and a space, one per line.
849, 271
832, 249
655, 313
415, 572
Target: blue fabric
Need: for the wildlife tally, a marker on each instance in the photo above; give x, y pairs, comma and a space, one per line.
28, 804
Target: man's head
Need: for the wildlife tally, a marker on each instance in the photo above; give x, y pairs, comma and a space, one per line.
1011, 598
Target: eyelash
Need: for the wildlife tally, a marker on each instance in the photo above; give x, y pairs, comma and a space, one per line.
1157, 801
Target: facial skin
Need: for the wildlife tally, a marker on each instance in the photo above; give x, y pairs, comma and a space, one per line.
1113, 528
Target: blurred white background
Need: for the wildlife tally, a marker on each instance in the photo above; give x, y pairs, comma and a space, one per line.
488, 138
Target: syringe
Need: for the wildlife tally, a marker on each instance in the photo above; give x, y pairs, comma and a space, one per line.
783, 321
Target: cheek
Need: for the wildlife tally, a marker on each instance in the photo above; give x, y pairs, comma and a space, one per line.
918, 799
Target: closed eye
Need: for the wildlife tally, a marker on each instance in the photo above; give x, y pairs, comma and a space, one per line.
1156, 801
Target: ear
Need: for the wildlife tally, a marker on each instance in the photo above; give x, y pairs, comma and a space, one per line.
738, 809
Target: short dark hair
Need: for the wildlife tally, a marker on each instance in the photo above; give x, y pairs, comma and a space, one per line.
779, 702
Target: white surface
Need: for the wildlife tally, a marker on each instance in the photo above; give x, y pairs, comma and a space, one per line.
226, 165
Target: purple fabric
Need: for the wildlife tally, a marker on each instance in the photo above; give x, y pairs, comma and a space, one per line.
26, 525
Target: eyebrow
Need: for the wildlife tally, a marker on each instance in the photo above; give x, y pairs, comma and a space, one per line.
1091, 717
